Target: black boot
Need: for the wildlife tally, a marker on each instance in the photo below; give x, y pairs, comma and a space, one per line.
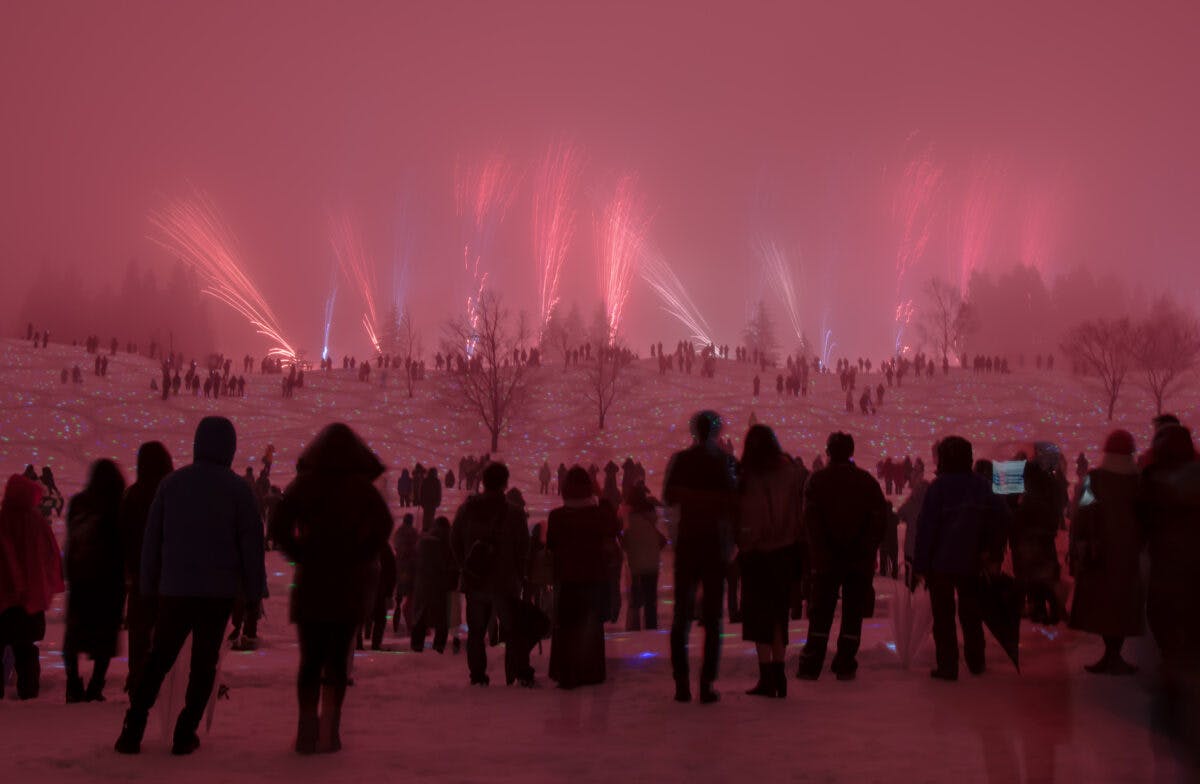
683, 690
308, 726
708, 695
75, 691
766, 681
779, 679
130, 740
810, 667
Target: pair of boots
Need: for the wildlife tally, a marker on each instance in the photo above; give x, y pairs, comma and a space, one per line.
77, 693
185, 740
772, 681
320, 731
683, 692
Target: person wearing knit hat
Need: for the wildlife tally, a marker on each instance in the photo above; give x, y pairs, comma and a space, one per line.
1104, 555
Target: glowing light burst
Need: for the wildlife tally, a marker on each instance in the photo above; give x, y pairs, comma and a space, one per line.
193, 232
621, 232
828, 344
778, 269
674, 297
329, 302
483, 196
358, 270
554, 220
914, 210
979, 211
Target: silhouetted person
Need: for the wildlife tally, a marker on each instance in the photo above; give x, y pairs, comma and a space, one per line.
203, 545
700, 480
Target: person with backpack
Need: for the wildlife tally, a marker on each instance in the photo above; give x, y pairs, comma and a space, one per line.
30, 576
334, 524
95, 571
203, 544
491, 542
700, 481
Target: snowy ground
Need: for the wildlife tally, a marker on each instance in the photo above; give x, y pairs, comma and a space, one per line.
414, 715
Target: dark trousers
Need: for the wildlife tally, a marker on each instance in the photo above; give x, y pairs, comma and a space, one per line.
734, 579
74, 681
480, 608
643, 601
324, 653
855, 591
711, 580
942, 590
440, 612
19, 630
140, 614
374, 625
245, 618
203, 618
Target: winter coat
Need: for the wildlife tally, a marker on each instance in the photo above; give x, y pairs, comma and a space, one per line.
642, 541
405, 544
1171, 518
436, 574
204, 536
1035, 528
404, 485
488, 517
959, 527
135, 512
431, 492
30, 562
333, 523
582, 539
770, 508
701, 481
844, 518
1106, 546
95, 572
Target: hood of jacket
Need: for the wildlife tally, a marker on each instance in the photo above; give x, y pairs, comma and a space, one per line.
216, 441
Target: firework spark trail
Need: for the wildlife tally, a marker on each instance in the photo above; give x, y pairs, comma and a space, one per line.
828, 344
979, 210
553, 220
913, 209
358, 270
333, 290
483, 196
192, 231
674, 297
779, 276
1036, 239
624, 224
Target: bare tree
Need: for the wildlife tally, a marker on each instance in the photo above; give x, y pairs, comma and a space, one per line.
1104, 348
408, 342
490, 385
605, 381
947, 318
1166, 349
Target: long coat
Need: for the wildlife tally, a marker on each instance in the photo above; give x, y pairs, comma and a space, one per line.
95, 570
1106, 545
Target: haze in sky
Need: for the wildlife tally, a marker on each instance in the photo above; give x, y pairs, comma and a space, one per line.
867, 145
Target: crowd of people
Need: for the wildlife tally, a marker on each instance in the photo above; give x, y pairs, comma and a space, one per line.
179, 553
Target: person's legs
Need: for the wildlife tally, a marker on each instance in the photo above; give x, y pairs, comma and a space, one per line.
681, 625
208, 629
516, 649
28, 668
633, 614
308, 685
175, 620
970, 617
479, 614
95, 687
945, 635
441, 624
820, 621
856, 590
650, 599
74, 681
141, 626
336, 663
712, 584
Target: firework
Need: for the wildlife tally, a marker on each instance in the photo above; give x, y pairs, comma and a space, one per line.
621, 233
553, 220
329, 302
482, 196
979, 210
674, 297
828, 344
193, 232
779, 276
358, 270
913, 210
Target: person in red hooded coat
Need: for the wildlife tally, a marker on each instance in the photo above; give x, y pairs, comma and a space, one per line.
30, 576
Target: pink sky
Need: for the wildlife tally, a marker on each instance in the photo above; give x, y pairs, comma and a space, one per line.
789, 119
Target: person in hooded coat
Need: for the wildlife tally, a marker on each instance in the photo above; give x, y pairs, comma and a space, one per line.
959, 536
581, 536
1106, 547
333, 523
30, 576
203, 545
95, 572
404, 488
431, 498
643, 544
153, 465
404, 546
436, 576
770, 501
